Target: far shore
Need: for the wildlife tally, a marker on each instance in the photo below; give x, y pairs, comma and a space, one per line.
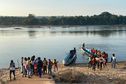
48, 26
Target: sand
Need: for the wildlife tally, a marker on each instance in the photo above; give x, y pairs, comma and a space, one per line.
107, 75
4, 78
78, 73
46, 79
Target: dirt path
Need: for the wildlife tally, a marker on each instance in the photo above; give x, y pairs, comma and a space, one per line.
46, 79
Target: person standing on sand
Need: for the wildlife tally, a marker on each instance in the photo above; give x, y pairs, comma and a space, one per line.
24, 67
93, 62
105, 56
50, 67
22, 59
40, 65
29, 67
36, 67
113, 61
89, 61
12, 69
32, 64
45, 66
101, 61
55, 65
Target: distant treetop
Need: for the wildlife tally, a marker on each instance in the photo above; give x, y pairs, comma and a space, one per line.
105, 14
105, 18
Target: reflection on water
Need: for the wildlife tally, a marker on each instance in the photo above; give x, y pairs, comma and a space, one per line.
102, 31
55, 42
32, 34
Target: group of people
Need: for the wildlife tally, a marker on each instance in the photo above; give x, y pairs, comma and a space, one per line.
98, 59
34, 66
37, 66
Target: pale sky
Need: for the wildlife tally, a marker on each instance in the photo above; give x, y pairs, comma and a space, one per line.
61, 7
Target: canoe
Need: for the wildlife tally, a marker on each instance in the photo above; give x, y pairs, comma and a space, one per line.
88, 51
70, 59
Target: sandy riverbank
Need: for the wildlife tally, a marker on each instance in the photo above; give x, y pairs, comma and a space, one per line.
80, 73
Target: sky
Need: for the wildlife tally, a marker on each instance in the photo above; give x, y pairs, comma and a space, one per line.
61, 7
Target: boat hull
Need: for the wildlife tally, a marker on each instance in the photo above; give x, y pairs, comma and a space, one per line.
70, 60
88, 52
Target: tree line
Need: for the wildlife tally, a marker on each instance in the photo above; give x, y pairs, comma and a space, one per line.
105, 18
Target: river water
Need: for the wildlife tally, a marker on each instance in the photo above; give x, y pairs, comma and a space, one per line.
56, 41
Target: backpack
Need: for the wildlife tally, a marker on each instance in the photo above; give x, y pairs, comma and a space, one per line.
12, 66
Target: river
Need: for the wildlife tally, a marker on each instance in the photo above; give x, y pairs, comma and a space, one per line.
56, 41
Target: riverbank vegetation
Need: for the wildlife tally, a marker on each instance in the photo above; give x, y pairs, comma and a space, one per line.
105, 18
